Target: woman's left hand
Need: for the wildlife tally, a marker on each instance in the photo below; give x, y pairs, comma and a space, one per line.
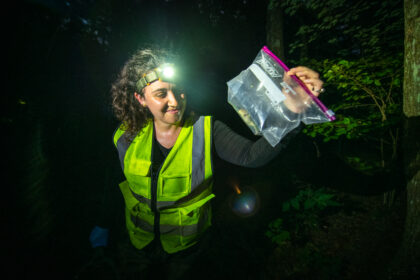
309, 77
300, 101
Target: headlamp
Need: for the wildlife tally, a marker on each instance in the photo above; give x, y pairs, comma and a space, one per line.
165, 72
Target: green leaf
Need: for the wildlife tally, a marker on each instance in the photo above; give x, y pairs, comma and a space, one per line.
269, 234
344, 63
281, 237
325, 197
295, 203
341, 131
308, 204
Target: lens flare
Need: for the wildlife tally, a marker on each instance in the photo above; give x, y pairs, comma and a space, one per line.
245, 202
237, 189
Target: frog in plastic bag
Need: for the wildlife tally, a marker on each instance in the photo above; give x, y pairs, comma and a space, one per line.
272, 103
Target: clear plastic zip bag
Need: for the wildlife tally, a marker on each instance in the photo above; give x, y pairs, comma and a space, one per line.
262, 93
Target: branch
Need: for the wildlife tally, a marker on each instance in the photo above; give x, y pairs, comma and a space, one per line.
354, 106
369, 92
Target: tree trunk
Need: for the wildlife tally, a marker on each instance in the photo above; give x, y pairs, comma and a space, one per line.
274, 28
408, 258
411, 97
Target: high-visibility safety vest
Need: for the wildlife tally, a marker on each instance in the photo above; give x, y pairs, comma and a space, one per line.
184, 186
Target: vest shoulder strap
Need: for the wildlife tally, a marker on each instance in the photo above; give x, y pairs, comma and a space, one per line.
119, 131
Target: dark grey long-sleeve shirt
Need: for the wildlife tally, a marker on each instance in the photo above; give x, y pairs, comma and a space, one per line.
241, 151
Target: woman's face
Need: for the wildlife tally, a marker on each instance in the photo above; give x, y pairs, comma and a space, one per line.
165, 102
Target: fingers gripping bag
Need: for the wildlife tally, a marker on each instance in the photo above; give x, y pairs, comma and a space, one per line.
263, 93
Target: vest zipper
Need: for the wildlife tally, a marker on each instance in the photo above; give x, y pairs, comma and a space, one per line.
154, 183
154, 202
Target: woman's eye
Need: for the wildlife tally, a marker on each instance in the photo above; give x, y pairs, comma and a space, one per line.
178, 92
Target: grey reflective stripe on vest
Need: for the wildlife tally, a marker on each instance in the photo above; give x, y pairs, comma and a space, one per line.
165, 229
185, 230
178, 230
147, 201
142, 224
141, 198
198, 154
122, 145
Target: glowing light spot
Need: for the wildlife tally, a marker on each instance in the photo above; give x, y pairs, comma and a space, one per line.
245, 202
168, 72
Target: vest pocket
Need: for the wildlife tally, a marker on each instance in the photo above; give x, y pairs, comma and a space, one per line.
195, 217
137, 173
174, 186
193, 222
139, 185
180, 227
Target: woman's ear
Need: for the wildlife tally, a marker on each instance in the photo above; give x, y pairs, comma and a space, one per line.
140, 99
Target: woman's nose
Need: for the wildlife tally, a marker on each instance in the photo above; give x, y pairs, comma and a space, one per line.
172, 99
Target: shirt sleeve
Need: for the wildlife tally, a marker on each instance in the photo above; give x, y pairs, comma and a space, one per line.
241, 151
109, 198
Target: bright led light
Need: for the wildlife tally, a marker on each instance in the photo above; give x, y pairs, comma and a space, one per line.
168, 72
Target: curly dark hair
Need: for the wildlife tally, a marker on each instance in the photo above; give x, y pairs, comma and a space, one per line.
126, 108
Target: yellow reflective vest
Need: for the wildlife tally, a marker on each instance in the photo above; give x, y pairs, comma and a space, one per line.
180, 205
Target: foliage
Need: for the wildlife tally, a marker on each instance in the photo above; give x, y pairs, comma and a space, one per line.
363, 165
310, 200
348, 27
301, 215
357, 46
276, 233
370, 103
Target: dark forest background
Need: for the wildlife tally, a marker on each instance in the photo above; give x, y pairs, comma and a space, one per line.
333, 205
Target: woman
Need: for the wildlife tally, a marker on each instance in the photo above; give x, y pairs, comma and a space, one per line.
166, 151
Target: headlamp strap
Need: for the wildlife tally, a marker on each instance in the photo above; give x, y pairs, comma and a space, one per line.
165, 71
147, 79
